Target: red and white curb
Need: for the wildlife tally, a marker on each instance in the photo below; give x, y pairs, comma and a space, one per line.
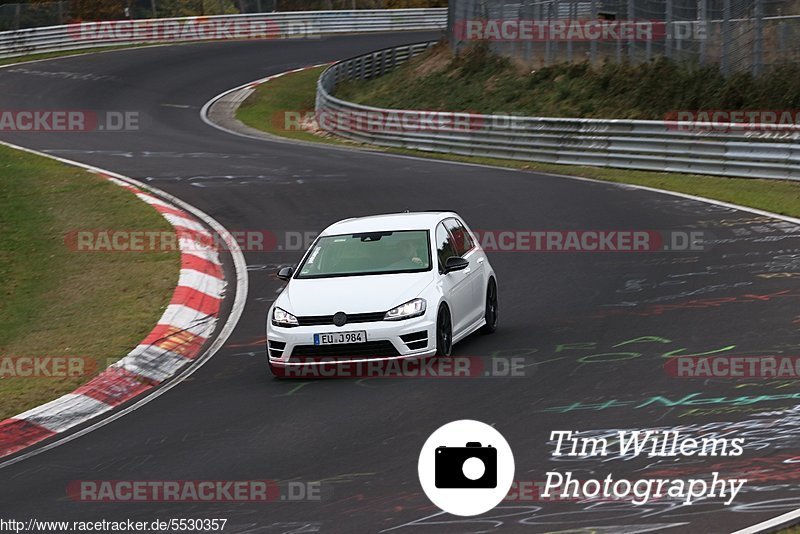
177, 339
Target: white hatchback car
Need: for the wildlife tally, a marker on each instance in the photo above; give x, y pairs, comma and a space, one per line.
405, 285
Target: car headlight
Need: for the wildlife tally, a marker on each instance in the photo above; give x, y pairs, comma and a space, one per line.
281, 317
412, 308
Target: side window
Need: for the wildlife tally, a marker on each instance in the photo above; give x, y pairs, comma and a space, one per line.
462, 241
444, 245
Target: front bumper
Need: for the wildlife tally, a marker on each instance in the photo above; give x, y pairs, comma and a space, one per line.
391, 340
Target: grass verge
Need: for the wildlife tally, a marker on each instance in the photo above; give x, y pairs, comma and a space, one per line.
60, 302
264, 110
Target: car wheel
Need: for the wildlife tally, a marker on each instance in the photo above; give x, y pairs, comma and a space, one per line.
444, 332
491, 308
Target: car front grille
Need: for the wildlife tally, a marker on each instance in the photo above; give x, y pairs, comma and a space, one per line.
322, 320
361, 351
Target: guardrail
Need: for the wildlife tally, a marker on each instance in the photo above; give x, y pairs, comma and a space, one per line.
297, 24
773, 151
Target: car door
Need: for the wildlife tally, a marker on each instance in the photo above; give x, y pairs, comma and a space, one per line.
466, 248
455, 285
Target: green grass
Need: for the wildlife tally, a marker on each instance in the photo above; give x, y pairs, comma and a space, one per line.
296, 92
61, 302
479, 81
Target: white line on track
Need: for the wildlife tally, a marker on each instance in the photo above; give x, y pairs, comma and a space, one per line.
785, 520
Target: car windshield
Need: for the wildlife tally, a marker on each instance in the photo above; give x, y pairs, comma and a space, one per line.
368, 253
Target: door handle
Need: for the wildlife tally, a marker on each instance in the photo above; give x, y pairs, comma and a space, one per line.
480, 260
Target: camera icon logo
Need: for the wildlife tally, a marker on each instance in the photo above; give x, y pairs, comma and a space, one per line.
466, 467
472, 466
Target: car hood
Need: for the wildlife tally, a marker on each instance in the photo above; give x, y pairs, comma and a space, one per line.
352, 294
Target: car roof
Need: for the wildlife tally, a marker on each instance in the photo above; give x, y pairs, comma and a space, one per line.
419, 220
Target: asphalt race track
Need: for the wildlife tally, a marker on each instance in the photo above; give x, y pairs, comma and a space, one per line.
593, 328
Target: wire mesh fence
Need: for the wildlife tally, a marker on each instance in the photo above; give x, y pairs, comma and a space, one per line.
737, 35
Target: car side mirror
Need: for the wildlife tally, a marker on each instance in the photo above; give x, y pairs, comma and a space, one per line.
455, 263
285, 273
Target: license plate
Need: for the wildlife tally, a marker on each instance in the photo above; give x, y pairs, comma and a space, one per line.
337, 338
